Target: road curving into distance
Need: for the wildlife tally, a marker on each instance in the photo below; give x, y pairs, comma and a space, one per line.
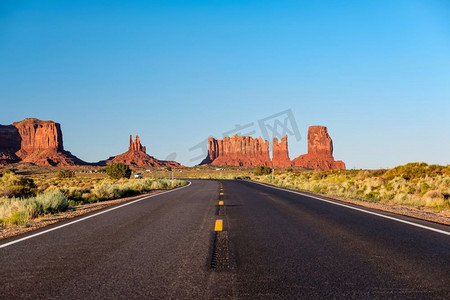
273, 244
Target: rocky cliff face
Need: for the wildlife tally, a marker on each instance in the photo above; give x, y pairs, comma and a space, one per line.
238, 151
280, 153
137, 156
35, 141
37, 136
320, 151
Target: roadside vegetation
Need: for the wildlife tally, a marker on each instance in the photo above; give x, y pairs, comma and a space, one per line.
118, 170
33, 192
23, 198
415, 185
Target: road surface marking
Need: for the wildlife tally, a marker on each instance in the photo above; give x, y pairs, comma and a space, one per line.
88, 217
219, 225
358, 209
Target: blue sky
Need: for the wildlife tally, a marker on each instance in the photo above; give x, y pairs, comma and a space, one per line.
376, 73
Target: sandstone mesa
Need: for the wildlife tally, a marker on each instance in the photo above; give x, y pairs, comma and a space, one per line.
41, 143
238, 151
35, 141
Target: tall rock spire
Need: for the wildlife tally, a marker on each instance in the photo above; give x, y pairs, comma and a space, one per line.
280, 154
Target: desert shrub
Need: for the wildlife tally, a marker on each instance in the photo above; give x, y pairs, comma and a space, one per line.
107, 190
73, 203
414, 170
65, 174
379, 172
241, 177
372, 197
19, 218
13, 185
433, 195
317, 188
18, 211
53, 201
260, 170
8, 171
118, 170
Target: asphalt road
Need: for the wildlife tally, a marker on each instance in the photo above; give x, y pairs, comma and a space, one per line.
275, 244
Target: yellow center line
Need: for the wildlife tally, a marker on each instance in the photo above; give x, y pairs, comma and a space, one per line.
219, 225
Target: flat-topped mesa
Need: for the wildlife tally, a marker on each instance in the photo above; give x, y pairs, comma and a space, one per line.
238, 151
320, 151
280, 153
137, 156
37, 142
37, 135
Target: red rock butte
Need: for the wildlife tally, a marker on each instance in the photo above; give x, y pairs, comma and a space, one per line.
238, 151
246, 151
320, 151
35, 141
137, 156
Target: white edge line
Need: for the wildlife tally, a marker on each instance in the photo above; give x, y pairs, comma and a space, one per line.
356, 208
88, 217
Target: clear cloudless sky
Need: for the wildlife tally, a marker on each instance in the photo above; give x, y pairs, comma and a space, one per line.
376, 73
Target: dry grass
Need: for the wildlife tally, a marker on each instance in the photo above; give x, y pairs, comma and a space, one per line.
415, 185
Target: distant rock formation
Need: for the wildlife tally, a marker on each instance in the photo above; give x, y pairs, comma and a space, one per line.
320, 151
280, 153
9, 144
35, 141
246, 151
137, 156
238, 151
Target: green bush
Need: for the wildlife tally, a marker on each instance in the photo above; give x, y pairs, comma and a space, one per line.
65, 174
53, 201
118, 170
260, 170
